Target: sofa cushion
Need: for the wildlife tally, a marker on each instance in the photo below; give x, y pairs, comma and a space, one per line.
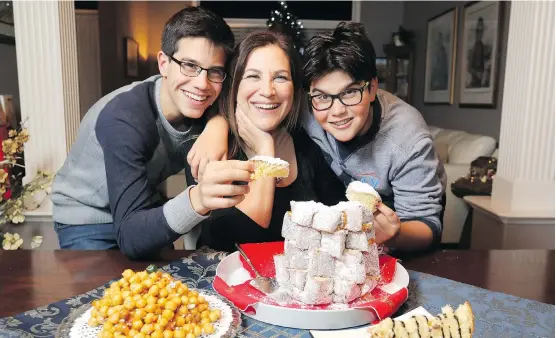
442, 151
471, 146
462, 147
434, 131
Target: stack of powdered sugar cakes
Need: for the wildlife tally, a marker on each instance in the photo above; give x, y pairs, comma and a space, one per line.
330, 254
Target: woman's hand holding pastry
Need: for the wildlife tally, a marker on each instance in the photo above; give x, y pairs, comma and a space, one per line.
257, 140
386, 223
215, 189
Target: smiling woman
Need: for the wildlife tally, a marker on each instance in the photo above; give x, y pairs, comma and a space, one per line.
265, 93
263, 104
269, 93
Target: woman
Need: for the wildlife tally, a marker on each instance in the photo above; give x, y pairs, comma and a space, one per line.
263, 103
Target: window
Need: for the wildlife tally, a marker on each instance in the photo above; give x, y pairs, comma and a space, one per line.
304, 10
316, 17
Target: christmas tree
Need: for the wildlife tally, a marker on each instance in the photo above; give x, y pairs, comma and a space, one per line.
281, 20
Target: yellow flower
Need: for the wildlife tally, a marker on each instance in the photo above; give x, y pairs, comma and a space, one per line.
12, 242
18, 219
12, 133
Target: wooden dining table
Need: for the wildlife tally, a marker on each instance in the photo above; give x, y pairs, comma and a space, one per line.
33, 278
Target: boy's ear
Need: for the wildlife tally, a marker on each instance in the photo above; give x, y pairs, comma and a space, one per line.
163, 63
373, 85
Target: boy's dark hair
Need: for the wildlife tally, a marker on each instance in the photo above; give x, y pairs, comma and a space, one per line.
196, 22
228, 97
347, 48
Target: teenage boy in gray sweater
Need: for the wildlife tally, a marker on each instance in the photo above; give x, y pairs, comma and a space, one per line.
370, 135
105, 195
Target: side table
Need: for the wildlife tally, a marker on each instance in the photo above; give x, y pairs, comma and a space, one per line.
498, 229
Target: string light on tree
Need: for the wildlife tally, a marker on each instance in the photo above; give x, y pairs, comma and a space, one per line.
281, 20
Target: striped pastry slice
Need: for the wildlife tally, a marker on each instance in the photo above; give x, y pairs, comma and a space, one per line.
448, 324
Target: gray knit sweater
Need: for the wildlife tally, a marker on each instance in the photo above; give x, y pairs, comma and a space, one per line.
125, 148
399, 161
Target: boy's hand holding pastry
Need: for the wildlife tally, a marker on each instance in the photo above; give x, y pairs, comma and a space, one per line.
387, 223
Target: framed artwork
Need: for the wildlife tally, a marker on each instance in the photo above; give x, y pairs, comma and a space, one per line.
7, 33
479, 55
132, 58
441, 54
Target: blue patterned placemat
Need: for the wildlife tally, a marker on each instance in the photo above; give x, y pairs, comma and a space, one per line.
496, 314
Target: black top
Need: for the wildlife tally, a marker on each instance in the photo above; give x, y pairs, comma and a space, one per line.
315, 182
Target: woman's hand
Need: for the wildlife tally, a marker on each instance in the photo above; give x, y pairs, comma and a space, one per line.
257, 140
386, 223
215, 189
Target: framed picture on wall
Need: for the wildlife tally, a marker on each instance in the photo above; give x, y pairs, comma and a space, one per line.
7, 32
132, 57
479, 55
440, 62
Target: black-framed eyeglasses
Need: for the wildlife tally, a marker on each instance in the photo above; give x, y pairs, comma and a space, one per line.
349, 97
190, 69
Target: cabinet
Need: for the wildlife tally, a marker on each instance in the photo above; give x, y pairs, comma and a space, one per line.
396, 71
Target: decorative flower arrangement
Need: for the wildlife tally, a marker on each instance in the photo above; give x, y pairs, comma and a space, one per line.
15, 196
14, 241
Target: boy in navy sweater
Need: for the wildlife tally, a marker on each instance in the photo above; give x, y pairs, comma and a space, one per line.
105, 195
369, 135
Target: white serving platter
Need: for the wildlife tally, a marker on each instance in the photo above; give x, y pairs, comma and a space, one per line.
232, 272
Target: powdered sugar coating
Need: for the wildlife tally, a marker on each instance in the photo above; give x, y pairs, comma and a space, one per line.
295, 257
271, 160
302, 212
354, 214
327, 219
361, 187
334, 243
298, 278
345, 290
321, 264
370, 283
317, 291
350, 267
282, 273
357, 241
370, 260
330, 246
301, 237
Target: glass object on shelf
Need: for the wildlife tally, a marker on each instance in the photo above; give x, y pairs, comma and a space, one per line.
401, 88
403, 66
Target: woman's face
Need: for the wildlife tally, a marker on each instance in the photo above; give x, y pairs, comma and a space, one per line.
266, 91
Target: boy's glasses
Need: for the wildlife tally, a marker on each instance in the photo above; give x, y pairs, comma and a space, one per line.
190, 69
349, 97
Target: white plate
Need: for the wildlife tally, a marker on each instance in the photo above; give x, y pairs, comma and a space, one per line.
75, 325
231, 270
